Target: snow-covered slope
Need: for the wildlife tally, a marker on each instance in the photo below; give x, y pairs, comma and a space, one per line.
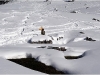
72, 25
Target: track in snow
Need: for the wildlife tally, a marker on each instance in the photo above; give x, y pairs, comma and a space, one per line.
18, 26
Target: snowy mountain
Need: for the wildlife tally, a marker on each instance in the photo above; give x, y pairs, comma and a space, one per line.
71, 31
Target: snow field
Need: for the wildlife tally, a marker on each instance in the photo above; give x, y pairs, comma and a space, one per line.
20, 22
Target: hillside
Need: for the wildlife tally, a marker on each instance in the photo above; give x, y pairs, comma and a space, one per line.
72, 28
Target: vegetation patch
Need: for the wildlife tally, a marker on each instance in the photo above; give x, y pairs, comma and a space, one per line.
36, 65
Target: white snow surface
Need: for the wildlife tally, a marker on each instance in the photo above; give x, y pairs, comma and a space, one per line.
20, 21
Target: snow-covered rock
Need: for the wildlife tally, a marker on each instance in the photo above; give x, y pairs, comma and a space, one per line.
66, 37
41, 38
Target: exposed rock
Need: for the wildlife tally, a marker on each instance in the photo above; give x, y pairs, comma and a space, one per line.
75, 57
59, 38
42, 47
96, 19
69, 0
29, 55
89, 39
40, 42
36, 65
74, 11
57, 48
3, 2
82, 32
87, 7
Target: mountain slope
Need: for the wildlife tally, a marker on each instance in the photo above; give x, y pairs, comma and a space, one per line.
74, 26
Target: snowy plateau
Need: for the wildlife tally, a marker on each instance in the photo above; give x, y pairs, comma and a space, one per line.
74, 26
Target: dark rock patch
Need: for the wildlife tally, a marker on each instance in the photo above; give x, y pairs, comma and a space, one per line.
69, 0
28, 55
57, 48
36, 65
82, 32
96, 19
40, 42
42, 47
73, 11
59, 38
87, 7
89, 39
75, 57
3, 2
